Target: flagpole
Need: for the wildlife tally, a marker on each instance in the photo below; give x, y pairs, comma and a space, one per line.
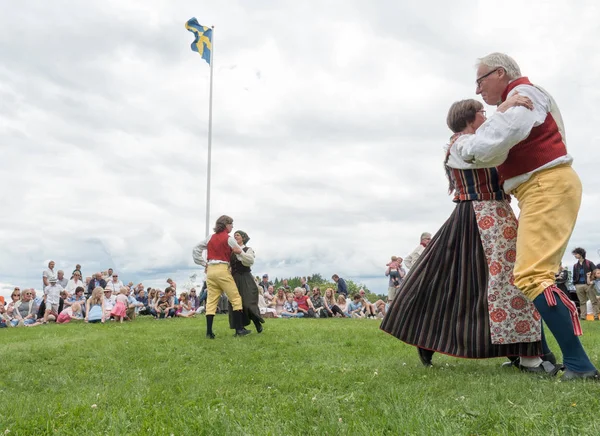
210, 97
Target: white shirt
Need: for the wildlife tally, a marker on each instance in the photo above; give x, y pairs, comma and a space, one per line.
115, 287
109, 302
48, 273
72, 285
198, 252
52, 293
410, 260
492, 141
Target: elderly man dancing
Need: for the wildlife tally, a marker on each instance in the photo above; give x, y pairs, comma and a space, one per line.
537, 171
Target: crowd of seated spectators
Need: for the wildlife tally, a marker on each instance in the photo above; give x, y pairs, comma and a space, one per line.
103, 297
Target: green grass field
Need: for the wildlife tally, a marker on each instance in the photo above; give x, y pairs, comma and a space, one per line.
336, 377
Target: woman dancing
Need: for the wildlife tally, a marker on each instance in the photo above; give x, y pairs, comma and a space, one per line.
247, 287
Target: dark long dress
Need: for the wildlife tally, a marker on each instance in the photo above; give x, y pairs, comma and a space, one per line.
242, 275
459, 298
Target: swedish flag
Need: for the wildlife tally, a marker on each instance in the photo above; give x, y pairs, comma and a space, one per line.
203, 42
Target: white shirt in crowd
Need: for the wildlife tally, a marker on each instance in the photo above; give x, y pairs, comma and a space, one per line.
74, 284
410, 260
115, 287
109, 302
52, 293
48, 274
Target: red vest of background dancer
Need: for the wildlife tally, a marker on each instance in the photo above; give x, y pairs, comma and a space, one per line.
218, 248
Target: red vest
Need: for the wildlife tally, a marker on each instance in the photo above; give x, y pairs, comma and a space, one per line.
218, 248
543, 145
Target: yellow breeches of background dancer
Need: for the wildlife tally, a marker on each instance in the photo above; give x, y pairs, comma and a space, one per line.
549, 203
219, 280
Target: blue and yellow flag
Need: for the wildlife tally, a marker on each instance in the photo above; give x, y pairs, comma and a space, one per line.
203, 42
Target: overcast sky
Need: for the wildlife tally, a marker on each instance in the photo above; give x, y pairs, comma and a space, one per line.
329, 126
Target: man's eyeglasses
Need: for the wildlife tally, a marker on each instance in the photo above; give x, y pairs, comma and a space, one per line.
480, 79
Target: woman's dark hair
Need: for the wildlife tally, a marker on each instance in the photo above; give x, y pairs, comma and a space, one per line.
461, 113
580, 251
222, 222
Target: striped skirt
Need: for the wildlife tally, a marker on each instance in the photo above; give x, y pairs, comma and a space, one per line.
443, 302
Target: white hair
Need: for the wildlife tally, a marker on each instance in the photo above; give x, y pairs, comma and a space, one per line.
425, 235
501, 60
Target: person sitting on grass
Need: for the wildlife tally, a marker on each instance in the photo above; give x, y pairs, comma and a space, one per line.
263, 307
355, 307
290, 308
318, 304
304, 304
161, 308
368, 308
185, 308
109, 302
343, 305
72, 312
77, 297
94, 307
279, 301
26, 309
268, 295
331, 305
4, 318
9, 310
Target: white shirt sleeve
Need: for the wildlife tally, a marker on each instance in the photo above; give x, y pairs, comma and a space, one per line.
232, 243
502, 131
247, 258
198, 252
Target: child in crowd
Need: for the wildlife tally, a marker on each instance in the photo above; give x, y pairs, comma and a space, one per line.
355, 308
94, 307
185, 307
290, 308
394, 267
119, 311
73, 312
161, 308
4, 320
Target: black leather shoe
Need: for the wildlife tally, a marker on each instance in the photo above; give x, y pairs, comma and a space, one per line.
259, 328
572, 375
425, 356
242, 332
544, 368
210, 336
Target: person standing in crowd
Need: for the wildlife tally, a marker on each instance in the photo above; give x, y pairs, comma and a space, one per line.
242, 275
49, 272
411, 259
219, 246
61, 279
342, 287
458, 298
581, 271
52, 293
